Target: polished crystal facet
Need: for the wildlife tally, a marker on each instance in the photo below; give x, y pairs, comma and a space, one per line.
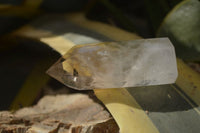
117, 64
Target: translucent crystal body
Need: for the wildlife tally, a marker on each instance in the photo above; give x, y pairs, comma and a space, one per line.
117, 64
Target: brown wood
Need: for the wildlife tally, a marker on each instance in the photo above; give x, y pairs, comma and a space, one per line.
73, 113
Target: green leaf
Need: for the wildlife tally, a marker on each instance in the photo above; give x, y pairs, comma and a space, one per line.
182, 26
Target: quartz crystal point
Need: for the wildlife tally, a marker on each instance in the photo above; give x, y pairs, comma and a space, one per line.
117, 64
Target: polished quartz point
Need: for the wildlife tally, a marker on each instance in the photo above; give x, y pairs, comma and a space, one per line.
117, 64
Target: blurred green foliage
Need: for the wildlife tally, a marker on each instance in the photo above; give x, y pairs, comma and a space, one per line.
182, 26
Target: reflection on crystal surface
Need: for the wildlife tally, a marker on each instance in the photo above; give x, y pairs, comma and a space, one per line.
117, 64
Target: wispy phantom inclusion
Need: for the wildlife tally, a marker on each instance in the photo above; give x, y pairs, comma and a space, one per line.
117, 64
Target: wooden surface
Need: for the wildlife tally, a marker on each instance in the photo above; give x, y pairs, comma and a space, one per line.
74, 113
